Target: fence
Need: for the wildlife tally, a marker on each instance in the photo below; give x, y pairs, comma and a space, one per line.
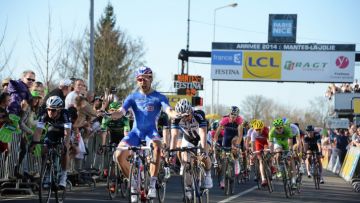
84, 171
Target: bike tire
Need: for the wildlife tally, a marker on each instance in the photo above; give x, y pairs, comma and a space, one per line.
112, 194
267, 175
45, 196
232, 178
204, 193
204, 196
257, 173
60, 195
285, 182
122, 183
133, 176
161, 184
219, 176
227, 182
187, 168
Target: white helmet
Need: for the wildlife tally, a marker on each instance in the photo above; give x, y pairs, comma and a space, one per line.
54, 102
183, 106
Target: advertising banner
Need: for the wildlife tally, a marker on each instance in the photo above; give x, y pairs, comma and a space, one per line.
173, 99
282, 28
283, 62
338, 123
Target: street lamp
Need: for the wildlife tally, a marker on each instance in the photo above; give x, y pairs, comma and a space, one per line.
212, 86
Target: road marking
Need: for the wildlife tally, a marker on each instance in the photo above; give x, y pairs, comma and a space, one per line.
238, 195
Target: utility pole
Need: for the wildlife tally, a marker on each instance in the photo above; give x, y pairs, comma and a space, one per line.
91, 48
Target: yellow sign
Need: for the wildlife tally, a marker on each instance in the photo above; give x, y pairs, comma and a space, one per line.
173, 99
326, 160
357, 106
262, 65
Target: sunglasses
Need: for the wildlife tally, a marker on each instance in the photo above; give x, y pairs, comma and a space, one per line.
280, 127
52, 110
142, 79
30, 79
233, 114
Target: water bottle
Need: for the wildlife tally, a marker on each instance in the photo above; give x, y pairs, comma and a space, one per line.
167, 172
142, 171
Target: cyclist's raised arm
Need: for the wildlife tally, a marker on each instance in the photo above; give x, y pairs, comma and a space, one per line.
175, 131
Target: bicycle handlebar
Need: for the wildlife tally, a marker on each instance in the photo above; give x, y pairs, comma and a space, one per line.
185, 149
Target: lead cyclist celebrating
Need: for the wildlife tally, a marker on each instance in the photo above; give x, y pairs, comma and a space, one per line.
146, 105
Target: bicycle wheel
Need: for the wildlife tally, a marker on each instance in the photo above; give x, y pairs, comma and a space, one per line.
186, 170
60, 195
219, 174
232, 178
110, 178
204, 193
204, 198
285, 182
133, 176
122, 183
46, 174
317, 181
227, 179
257, 173
267, 175
161, 183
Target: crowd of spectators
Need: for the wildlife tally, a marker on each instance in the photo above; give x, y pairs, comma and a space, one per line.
342, 139
26, 99
344, 88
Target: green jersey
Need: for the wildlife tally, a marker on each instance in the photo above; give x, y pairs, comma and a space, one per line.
118, 126
287, 134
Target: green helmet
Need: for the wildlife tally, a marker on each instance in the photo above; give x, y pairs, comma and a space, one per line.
114, 106
278, 121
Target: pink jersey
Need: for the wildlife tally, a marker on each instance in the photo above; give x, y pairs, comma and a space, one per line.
221, 133
228, 126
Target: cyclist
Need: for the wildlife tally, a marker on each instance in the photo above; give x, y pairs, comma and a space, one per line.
296, 146
312, 143
146, 105
282, 136
59, 127
215, 126
296, 142
259, 141
245, 147
233, 136
194, 126
118, 128
248, 139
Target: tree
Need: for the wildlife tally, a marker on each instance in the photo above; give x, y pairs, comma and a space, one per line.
116, 56
47, 54
253, 106
320, 108
5, 56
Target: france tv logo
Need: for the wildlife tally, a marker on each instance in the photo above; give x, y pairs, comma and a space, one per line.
234, 58
282, 28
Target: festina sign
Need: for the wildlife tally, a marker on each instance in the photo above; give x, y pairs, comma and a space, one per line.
188, 85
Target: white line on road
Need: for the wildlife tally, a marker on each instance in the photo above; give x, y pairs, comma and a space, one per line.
238, 195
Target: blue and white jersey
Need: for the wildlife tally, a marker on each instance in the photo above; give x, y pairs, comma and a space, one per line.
146, 108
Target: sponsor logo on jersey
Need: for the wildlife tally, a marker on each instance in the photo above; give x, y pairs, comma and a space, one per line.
262, 65
146, 108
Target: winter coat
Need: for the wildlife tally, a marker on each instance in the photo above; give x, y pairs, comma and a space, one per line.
18, 92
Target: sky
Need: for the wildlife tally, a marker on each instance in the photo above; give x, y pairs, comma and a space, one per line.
163, 27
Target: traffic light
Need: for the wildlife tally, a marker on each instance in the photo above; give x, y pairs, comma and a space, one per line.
197, 101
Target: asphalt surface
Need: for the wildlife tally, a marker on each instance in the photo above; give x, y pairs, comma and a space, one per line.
334, 190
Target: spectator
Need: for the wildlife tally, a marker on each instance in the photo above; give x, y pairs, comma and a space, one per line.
328, 93
70, 98
356, 88
46, 92
352, 131
34, 110
5, 84
348, 88
341, 142
356, 140
33, 103
355, 83
83, 90
20, 94
89, 96
64, 89
84, 109
4, 102
325, 141
112, 97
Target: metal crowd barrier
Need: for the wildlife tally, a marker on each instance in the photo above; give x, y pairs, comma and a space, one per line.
8, 161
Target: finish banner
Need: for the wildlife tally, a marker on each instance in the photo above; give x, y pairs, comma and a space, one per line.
283, 62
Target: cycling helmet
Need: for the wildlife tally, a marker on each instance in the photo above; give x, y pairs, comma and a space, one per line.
144, 71
234, 109
215, 125
286, 121
114, 106
54, 102
278, 121
258, 125
252, 122
183, 106
297, 124
245, 122
310, 128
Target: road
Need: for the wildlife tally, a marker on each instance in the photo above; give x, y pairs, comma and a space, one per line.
334, 190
